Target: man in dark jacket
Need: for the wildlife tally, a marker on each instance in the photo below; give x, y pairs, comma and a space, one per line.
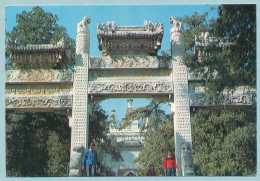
90, 160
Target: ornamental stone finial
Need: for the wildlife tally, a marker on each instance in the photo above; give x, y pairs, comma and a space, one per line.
177, 26
82, 26
129, 101
149, 26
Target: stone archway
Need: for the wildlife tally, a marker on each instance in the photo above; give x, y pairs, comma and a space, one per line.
129, 67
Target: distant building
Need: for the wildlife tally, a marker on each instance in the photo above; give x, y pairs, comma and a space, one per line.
130, 141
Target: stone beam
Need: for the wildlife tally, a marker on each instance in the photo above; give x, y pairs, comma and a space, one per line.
134, 61
39, 102
242, 99
38, 89
130, 87
38, 75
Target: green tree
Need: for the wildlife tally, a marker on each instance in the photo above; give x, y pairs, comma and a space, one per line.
39, 27
224, 142
194, 26
158, 137
38, 144
236, 64
157, 143
57, 163
30, 147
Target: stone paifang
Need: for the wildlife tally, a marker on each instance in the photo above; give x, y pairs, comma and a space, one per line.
129, 67
125, 40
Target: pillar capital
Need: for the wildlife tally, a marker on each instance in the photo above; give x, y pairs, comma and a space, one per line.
82, 41
177, 25
83, 25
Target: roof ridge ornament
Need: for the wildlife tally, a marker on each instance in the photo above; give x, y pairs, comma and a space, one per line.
60, 42
149, 26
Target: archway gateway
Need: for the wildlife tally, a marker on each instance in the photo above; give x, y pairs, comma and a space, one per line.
129, 67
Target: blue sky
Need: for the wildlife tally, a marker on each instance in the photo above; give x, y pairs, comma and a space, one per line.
123, 15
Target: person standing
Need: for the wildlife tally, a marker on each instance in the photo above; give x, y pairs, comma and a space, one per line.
170, 165
90, 160
151, 171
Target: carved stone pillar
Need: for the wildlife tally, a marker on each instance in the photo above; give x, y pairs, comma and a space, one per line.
182, 124
79, 133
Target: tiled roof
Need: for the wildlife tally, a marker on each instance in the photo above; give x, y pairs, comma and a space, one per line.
37, 48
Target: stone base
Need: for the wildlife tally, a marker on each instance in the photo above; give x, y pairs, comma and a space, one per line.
74, 172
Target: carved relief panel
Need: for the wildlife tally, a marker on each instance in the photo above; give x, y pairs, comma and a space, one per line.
130, 87
39, 102
39, 75
25, 89
137, 61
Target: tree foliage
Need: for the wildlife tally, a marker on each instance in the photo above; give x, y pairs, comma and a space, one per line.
157, 143
224, 143
239, 22
152, 109
194, 25
39, 27
236, 64
158, 137
38, 144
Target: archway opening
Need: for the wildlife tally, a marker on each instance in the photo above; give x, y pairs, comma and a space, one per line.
132, 137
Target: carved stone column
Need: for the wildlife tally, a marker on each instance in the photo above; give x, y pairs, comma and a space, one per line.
182, 124
79, 134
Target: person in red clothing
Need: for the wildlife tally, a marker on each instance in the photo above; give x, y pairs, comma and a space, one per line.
170, 166
151, 171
